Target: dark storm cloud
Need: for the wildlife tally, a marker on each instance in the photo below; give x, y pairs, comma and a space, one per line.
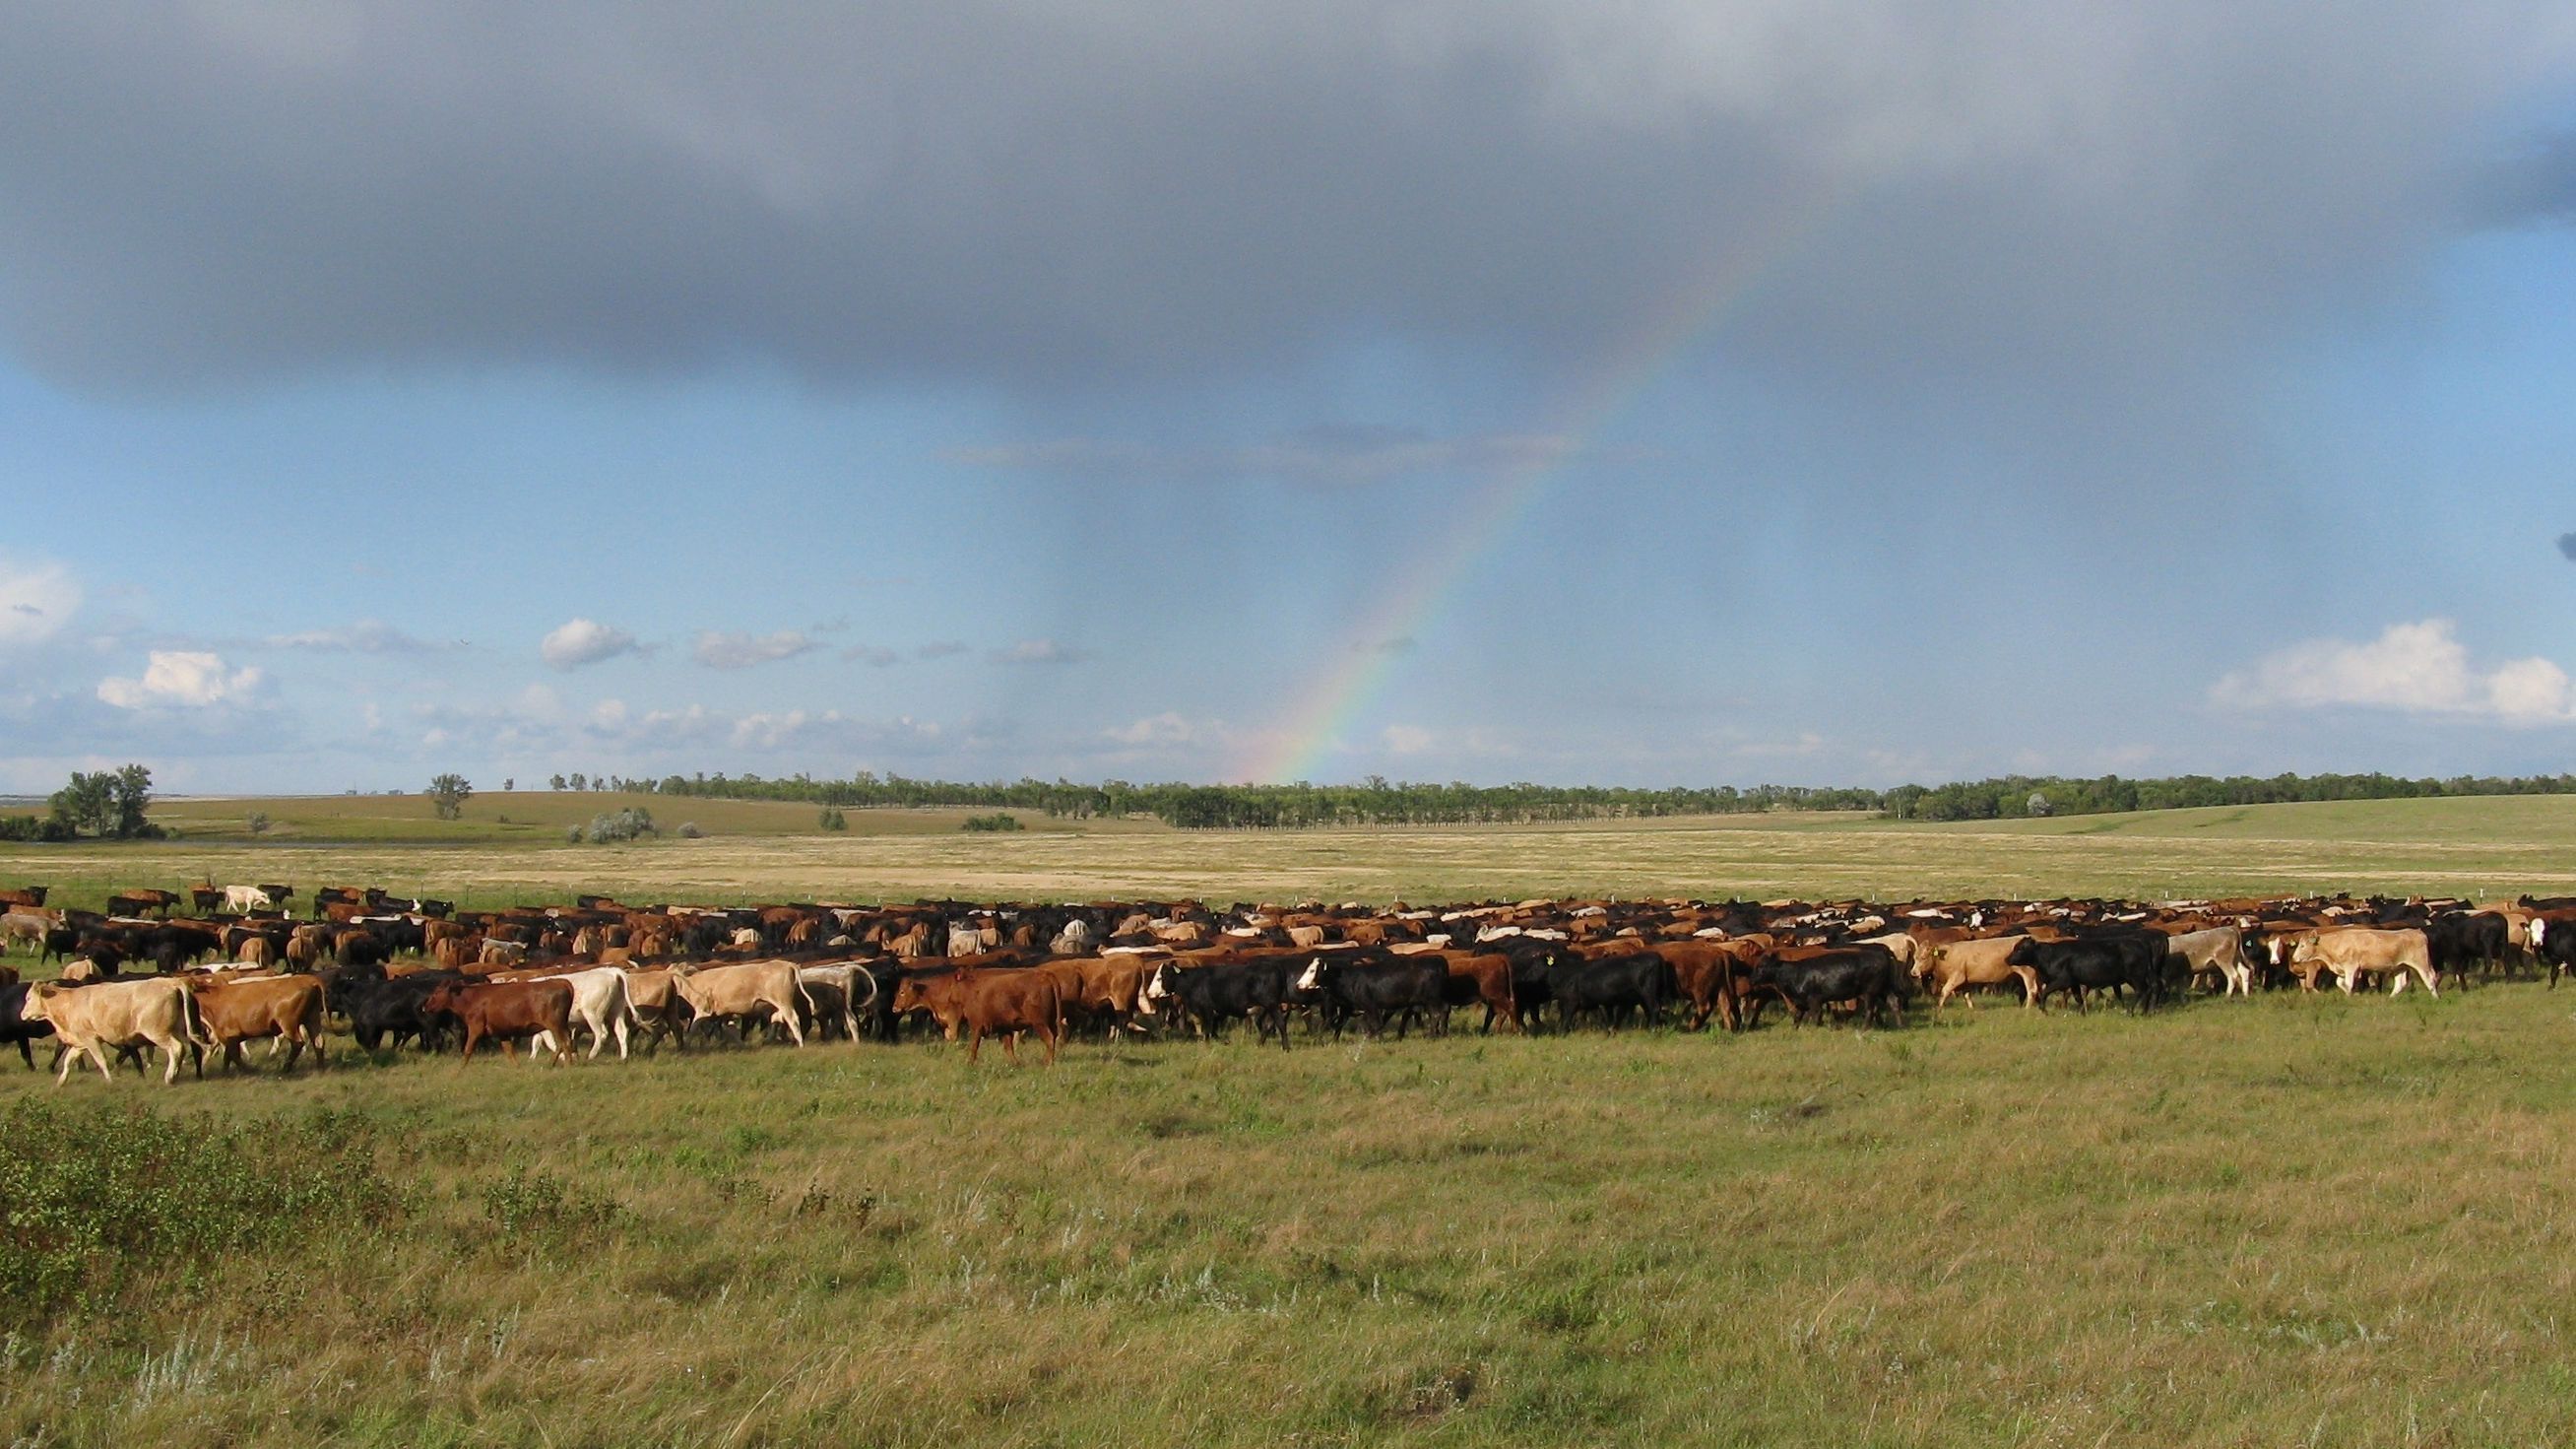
1040, 196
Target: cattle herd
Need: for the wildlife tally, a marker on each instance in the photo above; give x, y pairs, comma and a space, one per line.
390, 972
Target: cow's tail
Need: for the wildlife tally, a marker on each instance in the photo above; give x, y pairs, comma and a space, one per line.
192, 1021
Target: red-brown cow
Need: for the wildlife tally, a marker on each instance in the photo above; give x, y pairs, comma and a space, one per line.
508, 1010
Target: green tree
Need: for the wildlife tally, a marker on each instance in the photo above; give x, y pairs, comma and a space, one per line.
86, 804
449, 792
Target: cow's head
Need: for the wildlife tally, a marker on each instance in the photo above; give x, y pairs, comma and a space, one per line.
34, 1006
1310, 979
2539, 932
1157, 991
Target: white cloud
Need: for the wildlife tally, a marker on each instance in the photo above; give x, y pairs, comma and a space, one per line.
35, 601
183, 679
1039, 651
875, 656
723, 650
940, 649
1166, 729
583, 641
1407, 739
2419, 668
367, 636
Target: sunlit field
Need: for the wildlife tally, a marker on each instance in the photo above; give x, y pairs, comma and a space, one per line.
2291, 1220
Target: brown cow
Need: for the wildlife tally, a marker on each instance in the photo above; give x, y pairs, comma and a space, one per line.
508, 1010
288, 1008
1952, 966
991, 1003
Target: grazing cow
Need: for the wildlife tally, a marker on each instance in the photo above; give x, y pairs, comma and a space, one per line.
1207, 997
141, 902
1950, 967
1864, 976
2218, 951
92, 1020
994, 1003
506, 1011
288, 1008
16, 1026
2350, 952
717, 993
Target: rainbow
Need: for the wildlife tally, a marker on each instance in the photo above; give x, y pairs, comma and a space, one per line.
1354, 673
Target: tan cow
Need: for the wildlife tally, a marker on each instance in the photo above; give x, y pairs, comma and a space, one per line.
736, 991
94, 1020
287, 1008
1952, 966
2351, 951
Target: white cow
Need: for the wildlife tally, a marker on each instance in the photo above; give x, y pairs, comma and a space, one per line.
600, 1002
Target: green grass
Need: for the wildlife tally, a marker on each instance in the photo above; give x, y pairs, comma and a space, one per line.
2474, 847
2288, 1221
529, 817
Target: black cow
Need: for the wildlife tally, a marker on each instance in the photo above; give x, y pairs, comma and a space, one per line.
1376, 989
2105, 963
1611, 987
1207, 997
377, 1007
14, 1027
2459, 939
1866, 976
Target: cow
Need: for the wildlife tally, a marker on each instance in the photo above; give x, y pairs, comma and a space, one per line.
377, 1008
1951, 966
1376, 990
1207, 997
16, 1026
92, 1020
842, 990
2350, 952
715, 993
1865, 976
2460, 940
2097, 964
600, 1004
28, 925
506, 1011
2216, 951
993, 1003
1611, 986
288, 1008
140, 902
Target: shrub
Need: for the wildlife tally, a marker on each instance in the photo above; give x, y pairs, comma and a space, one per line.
258, 822
689, 830
99, 1203
833, 819
616, 827
995, 823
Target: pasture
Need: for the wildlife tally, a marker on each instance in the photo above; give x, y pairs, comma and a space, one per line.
2289, 1220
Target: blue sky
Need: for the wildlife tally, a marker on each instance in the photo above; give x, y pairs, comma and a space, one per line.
1853, 394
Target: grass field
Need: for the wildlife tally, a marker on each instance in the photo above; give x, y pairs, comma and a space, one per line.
2322, 1221
2472, 847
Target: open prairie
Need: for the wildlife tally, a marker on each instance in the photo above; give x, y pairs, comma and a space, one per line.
757, 851
2289, 1220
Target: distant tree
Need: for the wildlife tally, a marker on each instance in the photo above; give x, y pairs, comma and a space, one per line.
833, 819
131, 795
580, 781
509, 783
555, 781
257, 823
2037, 804
86, 804
449, 793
